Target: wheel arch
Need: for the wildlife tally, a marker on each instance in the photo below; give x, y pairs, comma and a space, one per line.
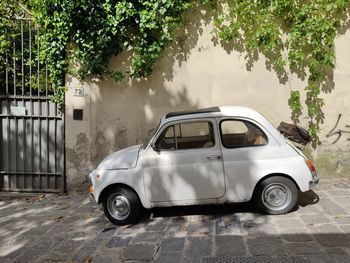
115, 185
272, 175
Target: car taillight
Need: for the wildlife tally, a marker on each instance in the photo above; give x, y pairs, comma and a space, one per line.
311, 166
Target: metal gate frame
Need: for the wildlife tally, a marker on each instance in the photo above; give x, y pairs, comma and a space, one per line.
26, 110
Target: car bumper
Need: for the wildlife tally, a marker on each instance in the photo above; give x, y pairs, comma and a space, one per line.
314, 182
92, 198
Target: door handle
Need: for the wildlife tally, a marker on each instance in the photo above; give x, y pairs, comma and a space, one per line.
214, 157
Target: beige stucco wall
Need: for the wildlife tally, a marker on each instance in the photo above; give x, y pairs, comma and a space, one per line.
193, 73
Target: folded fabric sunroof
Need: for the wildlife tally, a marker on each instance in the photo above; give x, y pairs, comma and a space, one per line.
180, 113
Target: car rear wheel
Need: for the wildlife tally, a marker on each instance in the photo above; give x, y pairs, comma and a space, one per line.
276, 195
122, 206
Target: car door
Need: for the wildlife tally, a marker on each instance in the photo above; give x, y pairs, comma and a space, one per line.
185, 163
248, 151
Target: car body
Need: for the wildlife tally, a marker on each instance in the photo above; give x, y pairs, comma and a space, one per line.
209, 156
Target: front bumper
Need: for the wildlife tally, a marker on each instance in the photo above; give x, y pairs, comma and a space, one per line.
314, 182
92, 198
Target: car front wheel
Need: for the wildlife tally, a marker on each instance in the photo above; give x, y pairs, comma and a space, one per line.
122, 206
276, 195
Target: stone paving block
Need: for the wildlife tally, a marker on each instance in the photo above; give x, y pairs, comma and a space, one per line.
169, 257
309, 209
229, 246
339, 192
33, 252
83, 236
108, 256
314, 219
342, 220
324, 258
252, 217
228, 226
333, 240
254, 259
296, 235
148, 237
98, 242
58, 228
63, 250
200, 229
140, 252
323, 194
293, 214
10, 252
342, 185
85, 254
198, 248
199, 244
38, 230
259, 228
131, 231
325, 229
346, 229
108, 232
118, 242
289, 223
303, 248
156, 227
336, 250
172, 245
270, 246
330, 207
342, 200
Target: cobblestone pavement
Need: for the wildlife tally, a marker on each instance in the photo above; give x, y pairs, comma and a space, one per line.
68, 228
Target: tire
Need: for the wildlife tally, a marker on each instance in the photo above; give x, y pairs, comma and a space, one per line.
122, 206
276, 195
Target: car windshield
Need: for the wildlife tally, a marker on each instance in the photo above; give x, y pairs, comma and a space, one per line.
150, 135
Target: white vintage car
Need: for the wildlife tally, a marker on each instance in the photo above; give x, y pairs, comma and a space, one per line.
209, 156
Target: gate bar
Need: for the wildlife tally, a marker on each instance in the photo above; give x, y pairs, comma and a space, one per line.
22, 40
7, 77
30, 60
14, 65
24, 105
38, 71
47, 131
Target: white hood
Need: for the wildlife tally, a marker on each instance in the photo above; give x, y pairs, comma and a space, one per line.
123, 159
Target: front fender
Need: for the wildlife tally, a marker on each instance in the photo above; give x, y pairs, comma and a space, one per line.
102, 179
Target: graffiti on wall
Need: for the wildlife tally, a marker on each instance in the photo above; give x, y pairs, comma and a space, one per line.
336, 133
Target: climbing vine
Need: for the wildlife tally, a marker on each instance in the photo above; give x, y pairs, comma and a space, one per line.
295, 36
87, 33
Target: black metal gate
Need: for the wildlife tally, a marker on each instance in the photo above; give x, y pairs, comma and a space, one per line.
31, 127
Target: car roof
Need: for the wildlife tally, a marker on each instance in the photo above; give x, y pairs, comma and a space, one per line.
217, 111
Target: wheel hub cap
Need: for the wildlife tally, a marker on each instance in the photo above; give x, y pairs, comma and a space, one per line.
276, 196
118, 206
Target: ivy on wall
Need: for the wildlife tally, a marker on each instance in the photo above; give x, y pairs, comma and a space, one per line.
87, 33
294, 35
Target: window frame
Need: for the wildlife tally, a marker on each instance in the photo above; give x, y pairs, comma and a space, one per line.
242, 120
210, 121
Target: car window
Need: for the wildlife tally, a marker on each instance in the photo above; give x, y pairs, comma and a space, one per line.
186, 136
166, 141
194, 129
239, 133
